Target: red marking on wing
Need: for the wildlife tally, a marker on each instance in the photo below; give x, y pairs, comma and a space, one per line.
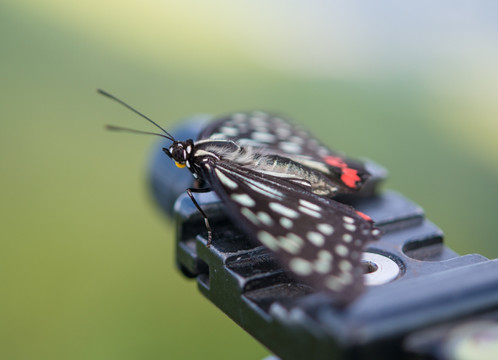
364, 216
349, 176
335, 161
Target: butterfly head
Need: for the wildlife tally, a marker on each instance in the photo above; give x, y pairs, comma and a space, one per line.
180, 152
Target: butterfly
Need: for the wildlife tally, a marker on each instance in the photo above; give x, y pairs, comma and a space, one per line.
278, 183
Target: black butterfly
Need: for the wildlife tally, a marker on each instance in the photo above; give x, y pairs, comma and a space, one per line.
277, 183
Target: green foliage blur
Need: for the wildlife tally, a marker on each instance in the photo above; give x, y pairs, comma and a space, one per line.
86, 258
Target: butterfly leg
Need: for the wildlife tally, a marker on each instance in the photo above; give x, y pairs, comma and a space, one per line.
206, 221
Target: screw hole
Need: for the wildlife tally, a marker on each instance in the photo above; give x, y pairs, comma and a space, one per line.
369, 267
379, 269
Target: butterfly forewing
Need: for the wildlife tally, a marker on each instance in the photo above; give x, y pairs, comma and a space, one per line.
318, 239
278, 135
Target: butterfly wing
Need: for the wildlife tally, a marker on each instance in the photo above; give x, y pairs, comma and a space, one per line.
279, 136
318, 239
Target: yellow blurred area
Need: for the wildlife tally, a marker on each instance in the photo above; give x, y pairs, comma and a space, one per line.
86, 258
143, 32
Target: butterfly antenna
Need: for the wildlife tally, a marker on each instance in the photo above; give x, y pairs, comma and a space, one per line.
120, 128
167, 136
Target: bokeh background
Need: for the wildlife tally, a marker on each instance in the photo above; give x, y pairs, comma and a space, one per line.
86, 258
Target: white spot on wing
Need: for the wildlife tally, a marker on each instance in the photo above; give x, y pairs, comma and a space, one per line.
345, 266
347, 238
323, 265
225, 180
250, 216
291, 243
296, 139
265, 218
264, 189
286, 222
310, 212
345, 278
263, 137
325, 229
259, 187
282, 133
348, 219
296, 239
301, 266
349, 227
230, 131
341, 250
243, 199
258, 121
283, 210
315, 238
325, 255
268, 240
309, 205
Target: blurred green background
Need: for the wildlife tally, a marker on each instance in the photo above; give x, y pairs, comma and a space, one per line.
86, 259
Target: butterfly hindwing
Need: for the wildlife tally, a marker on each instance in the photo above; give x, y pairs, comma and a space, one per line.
318, 239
